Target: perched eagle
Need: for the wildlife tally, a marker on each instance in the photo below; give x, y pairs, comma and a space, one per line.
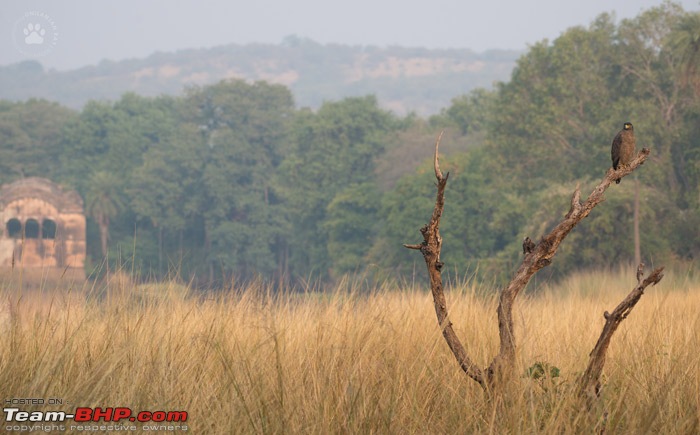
623, 147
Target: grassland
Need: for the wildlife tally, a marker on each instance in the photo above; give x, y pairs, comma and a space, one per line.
354, 362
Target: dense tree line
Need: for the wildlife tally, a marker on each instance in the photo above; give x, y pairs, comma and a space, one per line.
231, 181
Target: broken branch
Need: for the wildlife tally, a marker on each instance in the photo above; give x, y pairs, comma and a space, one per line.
590, 381
430, 248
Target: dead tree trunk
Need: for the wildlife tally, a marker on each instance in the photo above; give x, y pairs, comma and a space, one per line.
536, 257
430, 248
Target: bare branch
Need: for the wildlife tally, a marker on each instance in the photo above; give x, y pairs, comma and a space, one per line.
590, 381
623, 170
430, 248
575, 201
640, 273
541, 256
438, 173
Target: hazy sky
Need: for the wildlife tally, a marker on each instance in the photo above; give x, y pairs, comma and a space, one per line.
74, 33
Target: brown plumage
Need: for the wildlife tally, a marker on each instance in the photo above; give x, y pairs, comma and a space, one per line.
623, 145
528, 245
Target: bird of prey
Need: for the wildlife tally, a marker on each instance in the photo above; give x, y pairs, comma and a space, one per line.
528, 245
623, 147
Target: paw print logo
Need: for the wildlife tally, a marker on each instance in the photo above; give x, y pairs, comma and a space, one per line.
34, 34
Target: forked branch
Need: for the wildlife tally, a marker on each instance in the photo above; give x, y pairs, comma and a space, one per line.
536, 257
590, 381
540, 257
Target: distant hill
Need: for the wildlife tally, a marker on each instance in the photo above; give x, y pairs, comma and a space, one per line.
403, 79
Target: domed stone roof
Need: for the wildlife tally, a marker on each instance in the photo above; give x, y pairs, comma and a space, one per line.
65, 201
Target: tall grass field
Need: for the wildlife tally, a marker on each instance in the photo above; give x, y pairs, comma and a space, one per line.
348, 360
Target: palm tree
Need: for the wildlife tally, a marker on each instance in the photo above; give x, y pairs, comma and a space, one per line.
103, 202
685, 40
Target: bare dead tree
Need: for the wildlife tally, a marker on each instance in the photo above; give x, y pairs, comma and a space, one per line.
536, 257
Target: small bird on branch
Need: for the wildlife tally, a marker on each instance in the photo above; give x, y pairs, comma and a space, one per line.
528, 245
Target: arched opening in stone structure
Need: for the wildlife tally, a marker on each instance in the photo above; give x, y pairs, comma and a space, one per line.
31, 229
48, 229
14, 228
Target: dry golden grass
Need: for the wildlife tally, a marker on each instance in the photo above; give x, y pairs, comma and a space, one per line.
355, 363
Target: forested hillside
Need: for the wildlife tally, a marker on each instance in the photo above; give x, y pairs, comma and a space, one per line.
233, 181
403, 79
